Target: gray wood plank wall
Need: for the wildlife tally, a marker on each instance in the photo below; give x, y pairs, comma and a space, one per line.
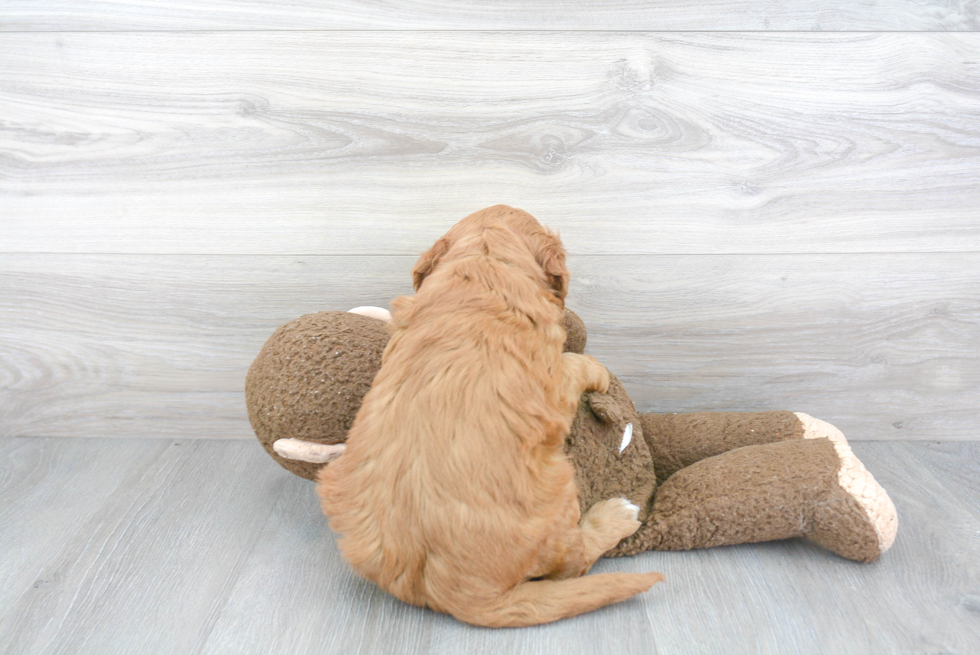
803, 15
756, 220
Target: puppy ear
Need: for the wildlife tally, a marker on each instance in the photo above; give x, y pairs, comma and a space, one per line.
551, 258
427, 262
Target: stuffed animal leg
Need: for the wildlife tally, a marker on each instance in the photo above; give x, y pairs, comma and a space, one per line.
731, 478
679, 440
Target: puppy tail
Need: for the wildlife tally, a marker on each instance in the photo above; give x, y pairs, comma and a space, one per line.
543, 601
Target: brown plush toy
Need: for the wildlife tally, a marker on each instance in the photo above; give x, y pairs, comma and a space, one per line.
704, 479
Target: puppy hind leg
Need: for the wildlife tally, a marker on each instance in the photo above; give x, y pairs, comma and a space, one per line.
572, 552
606, 524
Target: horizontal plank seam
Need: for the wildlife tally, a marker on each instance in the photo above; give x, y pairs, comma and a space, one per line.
570, 254
252, 437
488, 31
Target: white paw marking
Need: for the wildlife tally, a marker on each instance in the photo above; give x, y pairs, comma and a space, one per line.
627, 437
307, 451
373, 312
633, 509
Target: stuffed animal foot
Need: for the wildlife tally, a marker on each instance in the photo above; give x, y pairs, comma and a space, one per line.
856, 484
809, 487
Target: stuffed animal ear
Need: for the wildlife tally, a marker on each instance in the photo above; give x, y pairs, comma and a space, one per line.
428, 262
551, 257
605, 407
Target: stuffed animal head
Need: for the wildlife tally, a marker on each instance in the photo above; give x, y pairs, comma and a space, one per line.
307, 384
608, 450
305, 387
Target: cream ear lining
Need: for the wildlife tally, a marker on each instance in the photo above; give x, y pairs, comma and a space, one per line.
307, 451
379, 313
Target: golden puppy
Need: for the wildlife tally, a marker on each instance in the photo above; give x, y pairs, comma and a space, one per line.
453, 492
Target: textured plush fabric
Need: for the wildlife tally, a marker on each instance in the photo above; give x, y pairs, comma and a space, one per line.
679, 440
575, 334
309, 379
601, 471
758, 493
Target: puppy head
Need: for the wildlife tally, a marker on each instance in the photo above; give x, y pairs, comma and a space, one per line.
543, 245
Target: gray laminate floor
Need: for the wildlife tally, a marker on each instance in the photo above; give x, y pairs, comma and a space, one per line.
206, 546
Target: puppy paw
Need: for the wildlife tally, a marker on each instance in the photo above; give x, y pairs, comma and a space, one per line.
580, 374
603, 381
610, 521
598, 375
